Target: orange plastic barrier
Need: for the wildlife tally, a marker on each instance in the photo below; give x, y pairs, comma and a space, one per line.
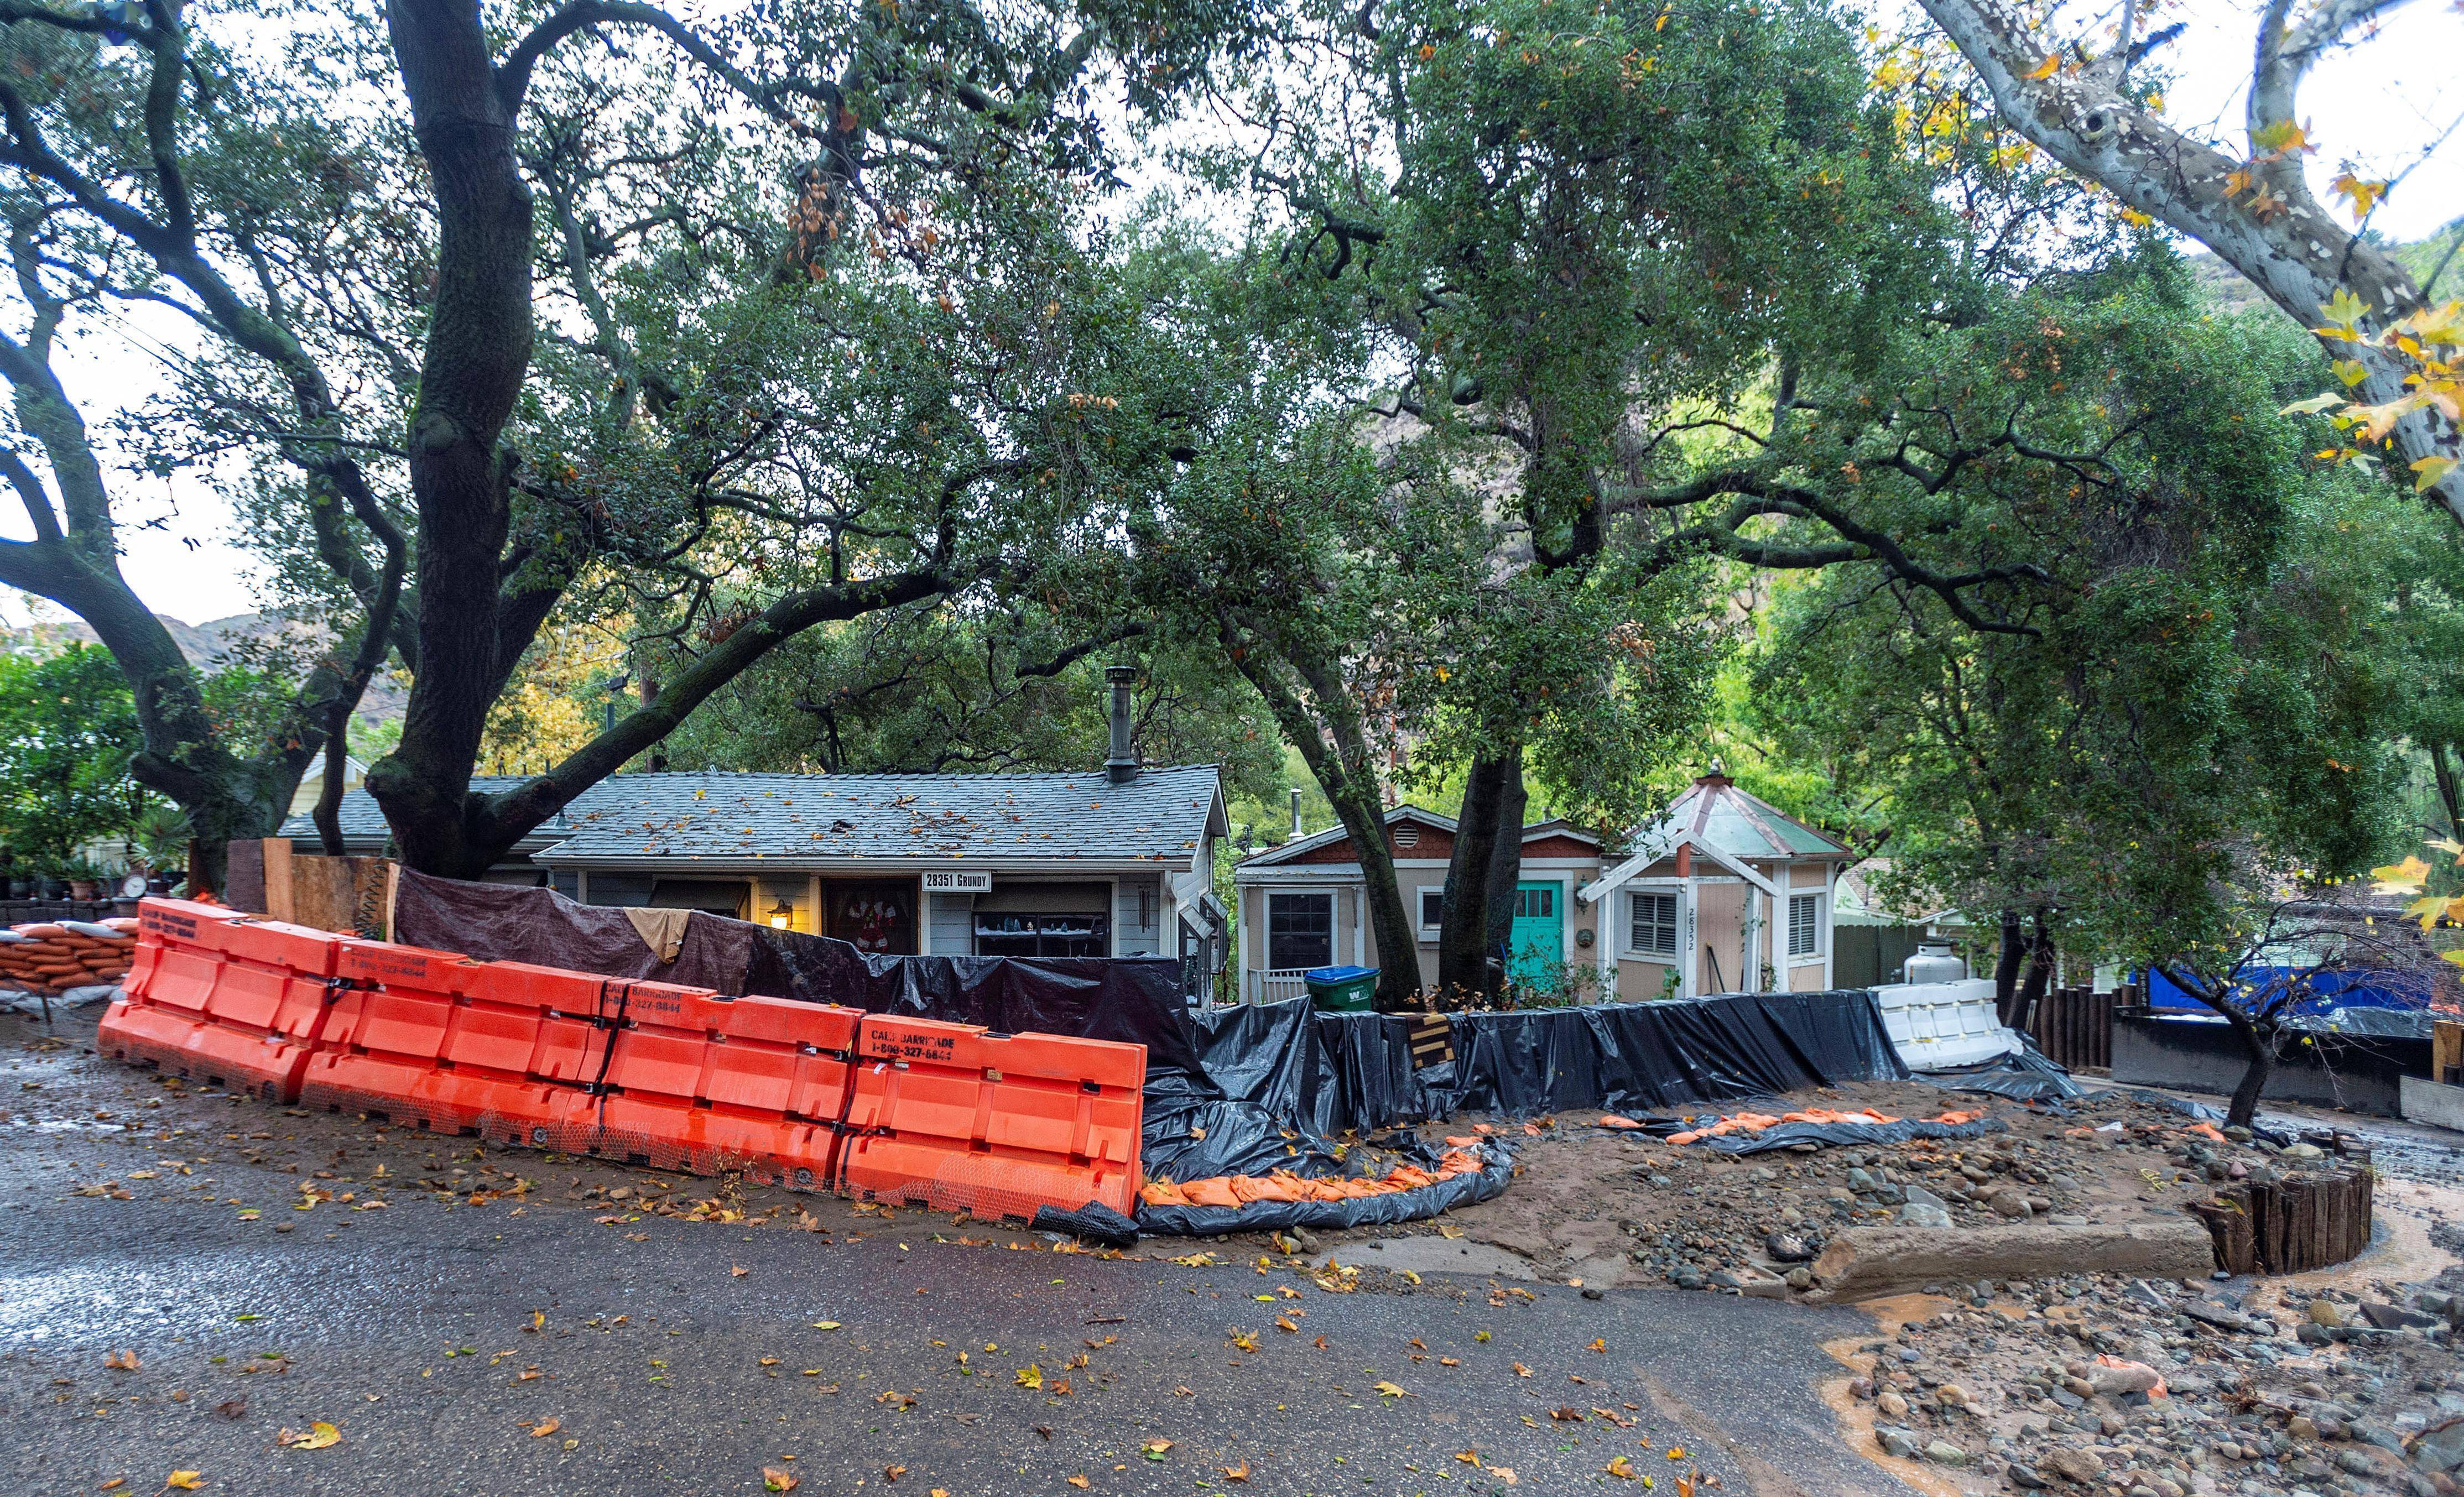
958, 1118
229, 999
709, 1084
498, 1050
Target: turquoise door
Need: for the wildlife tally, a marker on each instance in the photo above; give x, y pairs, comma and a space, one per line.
1536, 950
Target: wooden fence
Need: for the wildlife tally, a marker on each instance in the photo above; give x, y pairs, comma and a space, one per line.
2292, 1226
2074, 1026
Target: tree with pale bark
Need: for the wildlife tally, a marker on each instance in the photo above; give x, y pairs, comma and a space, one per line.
2065, 83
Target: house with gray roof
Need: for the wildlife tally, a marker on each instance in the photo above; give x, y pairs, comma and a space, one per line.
1115, 860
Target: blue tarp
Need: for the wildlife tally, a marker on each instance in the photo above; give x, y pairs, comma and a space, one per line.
2358, 987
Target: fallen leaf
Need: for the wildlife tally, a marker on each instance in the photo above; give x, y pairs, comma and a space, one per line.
1596, 1345
1236, 1474
1677, 1452
1469, 1458
546, 1427
114, 1484
1285, 1323
1081, 1483
1621, 1468
231, 1408
1244, 1340
1521, 1371
774, 1479
186, 1481
892, 1473
1505, 1474
1567, 1416
1449, 1361
317, 1437
738, 1271
1154, 1449
1031, 1376
769, 1361
1394, 1391
1319, 1343
122, 1361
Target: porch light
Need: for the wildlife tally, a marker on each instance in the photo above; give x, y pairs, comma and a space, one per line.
781, 913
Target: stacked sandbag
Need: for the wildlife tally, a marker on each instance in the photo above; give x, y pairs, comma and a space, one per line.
54, 956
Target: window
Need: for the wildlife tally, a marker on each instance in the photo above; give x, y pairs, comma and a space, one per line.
1536, 904
1433, 913
1300, 931
1004, 934
1655, 924
1804, 925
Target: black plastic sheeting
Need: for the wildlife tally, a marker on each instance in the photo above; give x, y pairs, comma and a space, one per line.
1242, 1090
1784, 1134
2027, 1075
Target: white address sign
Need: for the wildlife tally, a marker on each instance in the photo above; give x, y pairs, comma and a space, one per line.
954, 882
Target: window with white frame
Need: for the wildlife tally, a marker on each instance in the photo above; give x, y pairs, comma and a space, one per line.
1300, 930
1805, 925
1655, 925
1433, 913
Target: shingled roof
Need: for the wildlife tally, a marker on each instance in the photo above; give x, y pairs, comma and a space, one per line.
719, 817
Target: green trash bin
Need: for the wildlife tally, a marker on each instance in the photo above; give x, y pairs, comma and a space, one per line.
1341, 990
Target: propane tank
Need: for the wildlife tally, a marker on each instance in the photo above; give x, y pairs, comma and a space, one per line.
1934, 962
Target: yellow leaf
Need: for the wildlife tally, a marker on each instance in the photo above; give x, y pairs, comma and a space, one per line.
1597, 1345
2400, 878
1621, 1468
1235, 1473
2313, 406
825, 1324
186, 1481
2362, 194
1081, 1483
2429, 472
1393, 1390
1470, 1457
319, 1436
1154, 1449
2284, 138
546, 1427
1031, 1376
2045, 69
2343, 309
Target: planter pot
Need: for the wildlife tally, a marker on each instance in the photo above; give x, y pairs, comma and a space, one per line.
86, 888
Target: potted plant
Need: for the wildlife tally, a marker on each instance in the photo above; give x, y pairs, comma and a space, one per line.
84, 879
159, 840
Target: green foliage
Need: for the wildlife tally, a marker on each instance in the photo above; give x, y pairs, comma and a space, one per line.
2197, 719
67, 727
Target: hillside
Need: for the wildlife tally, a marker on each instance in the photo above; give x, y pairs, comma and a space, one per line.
209, 647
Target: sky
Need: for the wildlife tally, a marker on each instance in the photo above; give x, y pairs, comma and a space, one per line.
2377, 107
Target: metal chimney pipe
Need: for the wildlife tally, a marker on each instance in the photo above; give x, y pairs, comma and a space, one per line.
1296, 811
1123, 767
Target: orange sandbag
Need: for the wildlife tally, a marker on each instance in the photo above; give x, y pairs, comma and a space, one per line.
1612, 1120
1215, 1192
1162, 1193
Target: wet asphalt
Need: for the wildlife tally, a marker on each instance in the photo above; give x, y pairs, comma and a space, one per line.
537, 1342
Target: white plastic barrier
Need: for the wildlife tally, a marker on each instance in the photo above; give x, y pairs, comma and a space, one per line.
1939, 1025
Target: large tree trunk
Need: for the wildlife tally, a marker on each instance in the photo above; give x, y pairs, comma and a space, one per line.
2451, 796
2291, 250
478, 354
1334, 743
1462, 941
1505, 871
2042, 960
2007, 965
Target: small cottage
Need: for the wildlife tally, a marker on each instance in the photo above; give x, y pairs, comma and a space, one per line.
1722, 894
1302, 905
